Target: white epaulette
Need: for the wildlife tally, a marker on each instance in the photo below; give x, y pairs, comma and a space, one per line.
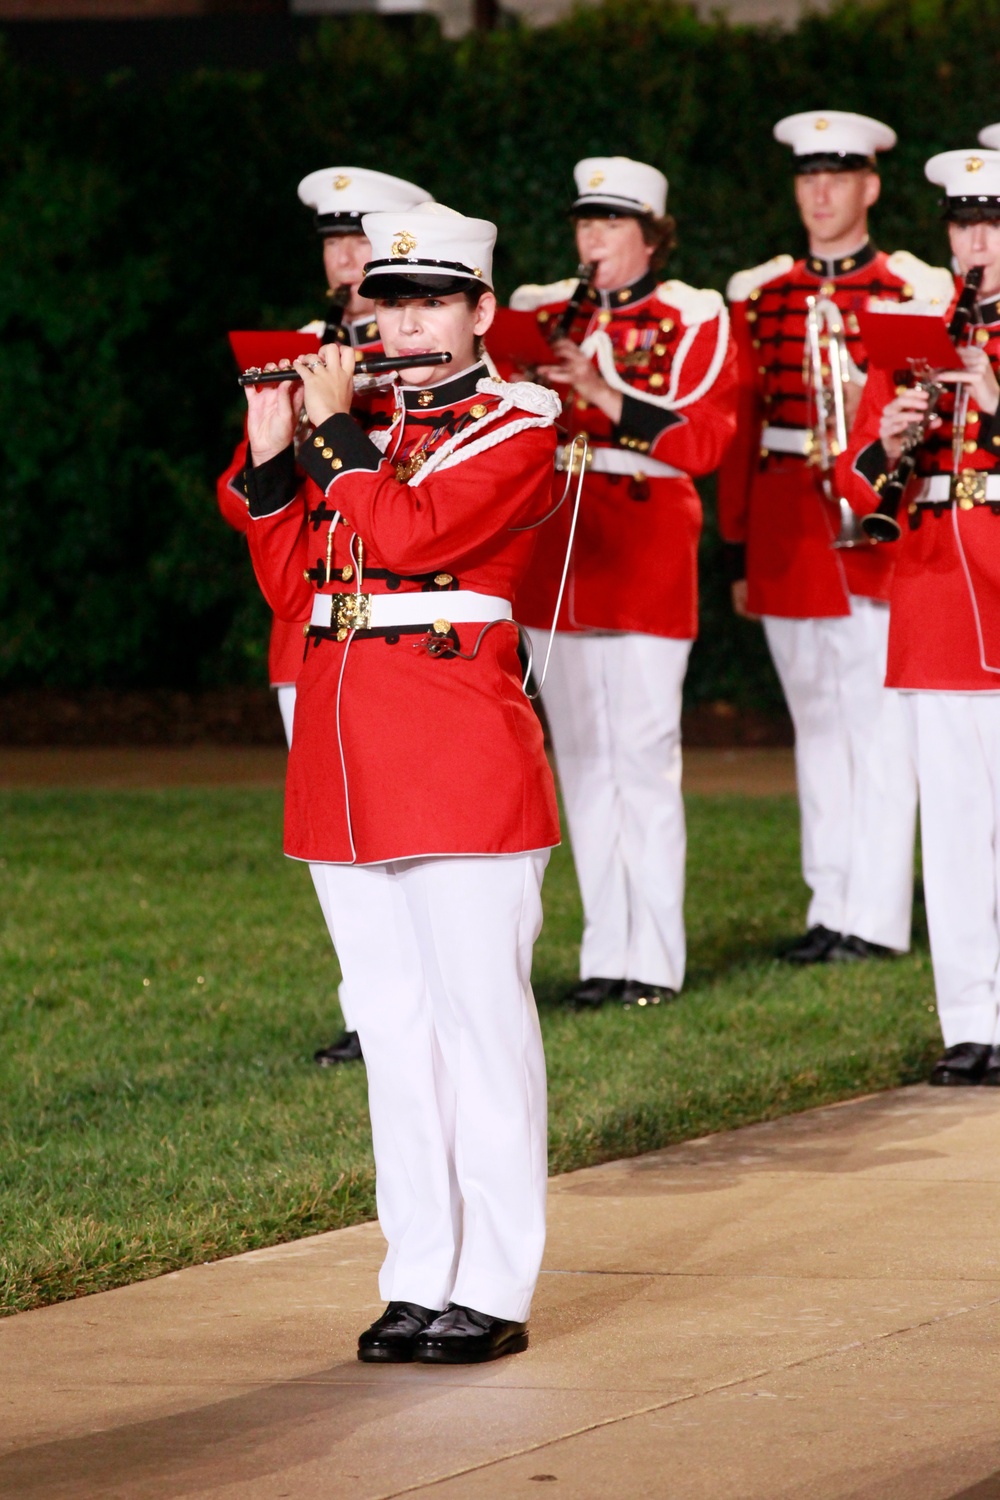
695, 304
933, 284
524, 394
530, 296
744, 282
316, 326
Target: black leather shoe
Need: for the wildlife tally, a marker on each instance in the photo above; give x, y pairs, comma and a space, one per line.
590, 994
634, 992
347, 1048
462, 1336
852, 950
991, 1074
389, 1341
813, 947
961, 1065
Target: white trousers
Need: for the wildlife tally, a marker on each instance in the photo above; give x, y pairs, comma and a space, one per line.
957, 742
440, 951
855, 771
613, 704
286, 707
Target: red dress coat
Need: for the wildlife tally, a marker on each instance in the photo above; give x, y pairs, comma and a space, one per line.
635, 556
284, 656
399, 752
944, 622
771, 507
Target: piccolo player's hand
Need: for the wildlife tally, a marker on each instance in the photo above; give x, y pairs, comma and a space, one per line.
328, 381
908, 408
978, 375
575, 369
273, 413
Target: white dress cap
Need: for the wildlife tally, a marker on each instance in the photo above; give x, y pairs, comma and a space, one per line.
971, 182
833, 139
618, 185
990, 136
340, 195
428, 247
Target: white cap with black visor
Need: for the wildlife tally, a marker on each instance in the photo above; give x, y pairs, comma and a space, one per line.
611, 187
427, 251
971, 182
341, 196
833, 140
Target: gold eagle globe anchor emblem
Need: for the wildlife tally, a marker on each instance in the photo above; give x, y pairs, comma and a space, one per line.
404, 244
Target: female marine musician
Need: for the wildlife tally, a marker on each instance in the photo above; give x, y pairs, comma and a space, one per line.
418, 790
944, 627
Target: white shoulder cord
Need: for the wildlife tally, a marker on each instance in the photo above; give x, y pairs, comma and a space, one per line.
577, 453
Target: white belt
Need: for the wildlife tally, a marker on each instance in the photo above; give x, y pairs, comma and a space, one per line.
621, 461
969, 487
383, 611
798, 440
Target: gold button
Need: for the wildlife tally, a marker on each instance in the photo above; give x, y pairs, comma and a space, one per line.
347, 572
848, 263
371, 330
996, 442
343, 633
477, 411
542, 317
441, 627
666, 325
755, 294
425, 398
751, 316
970, 445
656, 380
623, 295
327, 452
603, 318
581, 405
305, 574
305, 629
901, 390
337, 463
827, 289
659, 350
852, 323
642, 447
762, 369
981, 336
906, 289
756, 343
443, 579
764, 453
318, 442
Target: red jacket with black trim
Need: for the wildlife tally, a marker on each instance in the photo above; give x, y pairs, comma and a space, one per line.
634, 566
403, 748
772, 512
944, 621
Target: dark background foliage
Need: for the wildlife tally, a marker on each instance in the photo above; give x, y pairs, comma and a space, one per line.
140, 219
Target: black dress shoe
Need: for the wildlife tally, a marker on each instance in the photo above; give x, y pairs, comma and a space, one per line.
991, 1073
634, 992
347, 1048
813, 947
389, 1341
961, 1065
852, 950
590, 994
462, 1336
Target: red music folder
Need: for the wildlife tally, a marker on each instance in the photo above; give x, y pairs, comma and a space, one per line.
259, 347
892, 340
515, 342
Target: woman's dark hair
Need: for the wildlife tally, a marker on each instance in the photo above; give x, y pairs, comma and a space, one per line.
660, 231
472, 295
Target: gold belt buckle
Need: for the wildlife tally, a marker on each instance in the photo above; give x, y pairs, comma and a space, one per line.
969, 488
351, 612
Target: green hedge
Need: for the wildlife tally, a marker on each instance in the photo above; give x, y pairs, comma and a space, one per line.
137, 223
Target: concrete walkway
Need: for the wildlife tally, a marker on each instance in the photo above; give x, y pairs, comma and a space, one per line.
805, 1309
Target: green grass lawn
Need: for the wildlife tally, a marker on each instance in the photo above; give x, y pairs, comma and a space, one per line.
166, 976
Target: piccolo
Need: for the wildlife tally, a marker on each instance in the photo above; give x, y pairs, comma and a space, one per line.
376, 364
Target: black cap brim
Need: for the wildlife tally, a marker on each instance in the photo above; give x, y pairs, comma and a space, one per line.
970, 210
833, 161
601, 209
401, 285
344, 223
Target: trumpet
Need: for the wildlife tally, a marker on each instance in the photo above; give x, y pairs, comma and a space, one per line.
882, 525
827, 371
373, 364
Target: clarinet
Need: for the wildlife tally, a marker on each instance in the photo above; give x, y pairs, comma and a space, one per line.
561, 327
373, 364
883, 524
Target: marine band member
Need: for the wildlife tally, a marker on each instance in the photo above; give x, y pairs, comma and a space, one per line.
648, 373
944, 631
418, 788
339, 196
824, 610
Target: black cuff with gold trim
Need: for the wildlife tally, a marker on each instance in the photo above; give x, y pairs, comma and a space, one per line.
989, 433
270, 485
873, 465
734, 561
337, 446
642, 423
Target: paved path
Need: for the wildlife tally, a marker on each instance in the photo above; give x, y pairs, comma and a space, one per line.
752, 772
805, 1310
